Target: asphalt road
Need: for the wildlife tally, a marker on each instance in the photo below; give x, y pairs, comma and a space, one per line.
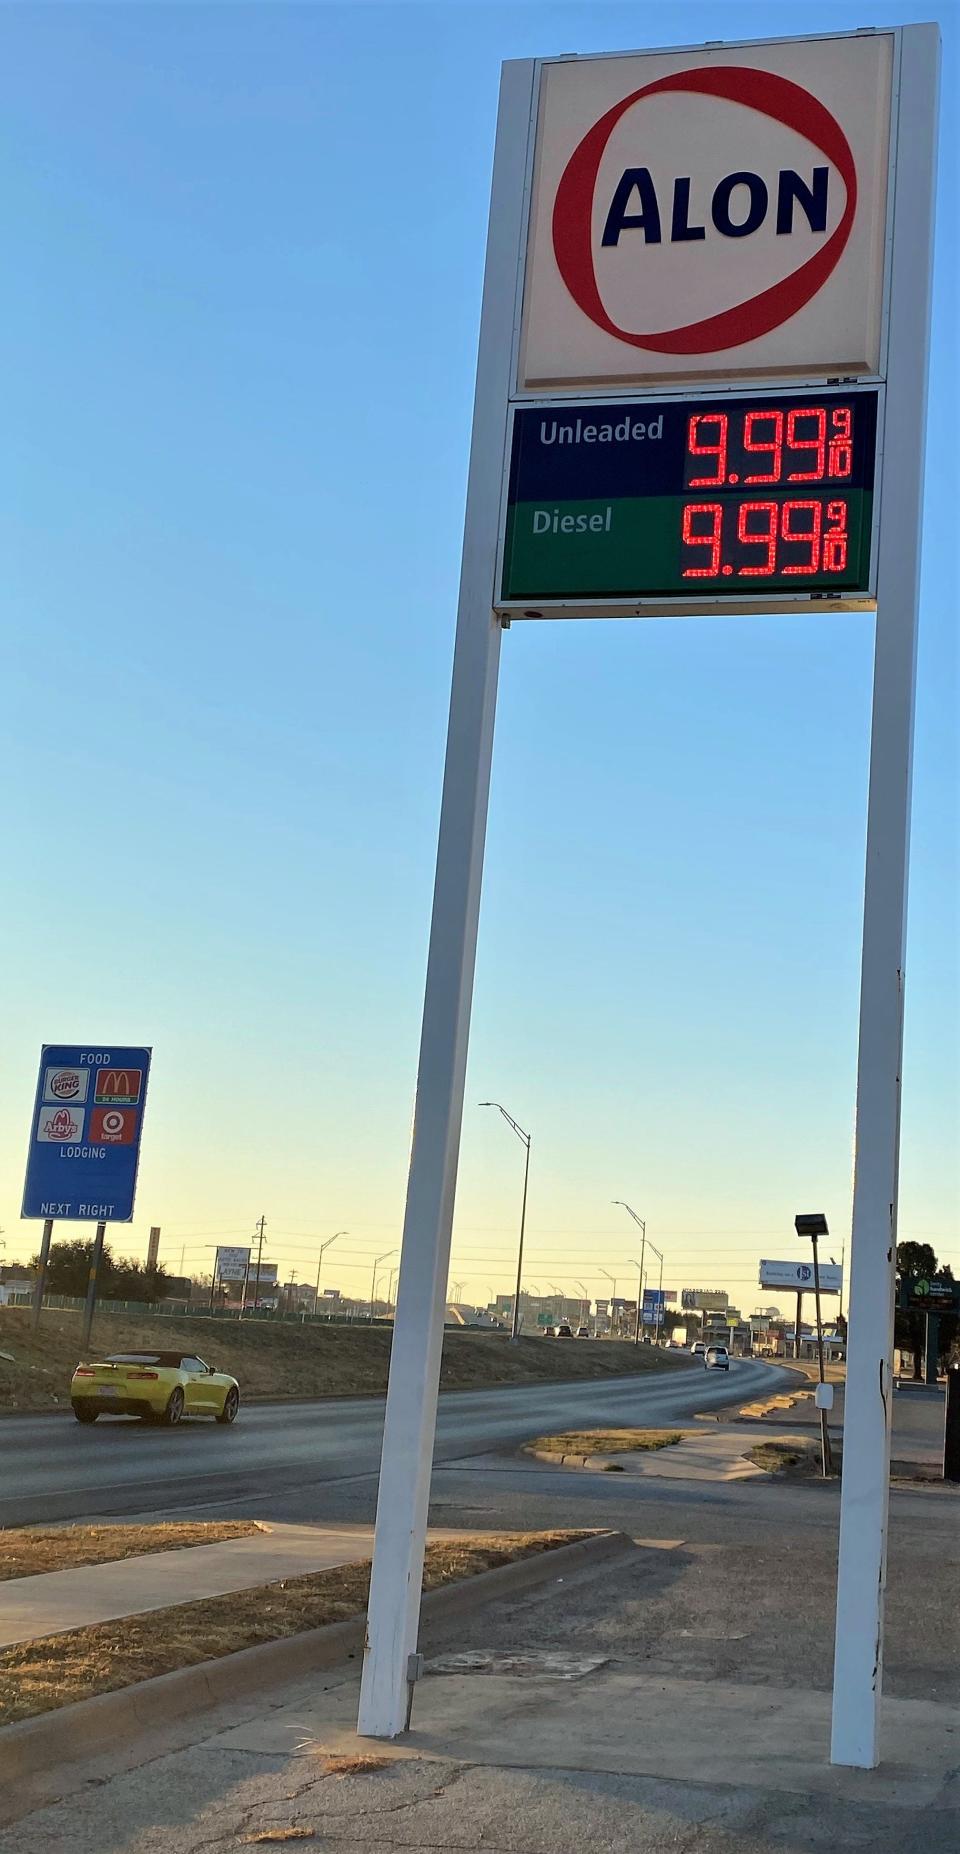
309, 1456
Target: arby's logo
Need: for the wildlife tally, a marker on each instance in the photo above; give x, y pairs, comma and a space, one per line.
738, 204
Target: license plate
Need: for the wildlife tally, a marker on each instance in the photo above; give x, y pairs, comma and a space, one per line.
109, 1390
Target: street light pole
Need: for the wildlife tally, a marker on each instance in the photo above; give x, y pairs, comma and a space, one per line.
639, 1267
526, 1139
373, 1283
641, 1223
613, 1296
323, 1246
585, 1303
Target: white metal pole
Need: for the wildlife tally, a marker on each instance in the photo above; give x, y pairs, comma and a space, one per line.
396, 1578
858, 1665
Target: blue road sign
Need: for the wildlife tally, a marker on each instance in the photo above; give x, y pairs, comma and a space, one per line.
85, 1133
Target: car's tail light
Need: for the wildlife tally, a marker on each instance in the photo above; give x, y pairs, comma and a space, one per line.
142, 1374
84, 1371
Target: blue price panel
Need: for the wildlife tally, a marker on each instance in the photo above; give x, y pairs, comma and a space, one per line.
85, 1133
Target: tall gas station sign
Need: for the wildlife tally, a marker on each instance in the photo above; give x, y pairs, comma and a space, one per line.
701, 390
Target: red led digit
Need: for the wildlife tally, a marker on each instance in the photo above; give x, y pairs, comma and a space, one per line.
815, 440
773, 446
711, 540
810, 534
718, 450
835, 539
761, 538
840, 456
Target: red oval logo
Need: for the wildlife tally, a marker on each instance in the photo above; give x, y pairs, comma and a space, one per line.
769, 95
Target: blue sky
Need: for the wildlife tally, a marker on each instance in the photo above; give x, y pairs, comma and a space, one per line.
244, 254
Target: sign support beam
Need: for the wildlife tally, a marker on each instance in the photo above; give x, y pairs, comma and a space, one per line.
96, 1256
41, 1280
858, 1664
395, 1586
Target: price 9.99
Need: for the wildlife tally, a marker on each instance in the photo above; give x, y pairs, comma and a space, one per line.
764, 539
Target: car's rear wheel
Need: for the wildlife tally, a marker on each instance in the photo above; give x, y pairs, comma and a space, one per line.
85, 1412
231, 1405
173, 1413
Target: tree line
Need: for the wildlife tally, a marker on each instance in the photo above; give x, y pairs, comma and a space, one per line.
119, 1278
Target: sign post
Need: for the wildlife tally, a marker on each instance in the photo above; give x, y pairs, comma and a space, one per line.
865, 1485
764, 455
41, 1280
407, 1458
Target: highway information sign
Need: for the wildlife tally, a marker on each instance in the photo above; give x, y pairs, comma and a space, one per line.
85, 1133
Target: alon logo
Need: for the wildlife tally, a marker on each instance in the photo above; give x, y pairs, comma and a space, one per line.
631, 239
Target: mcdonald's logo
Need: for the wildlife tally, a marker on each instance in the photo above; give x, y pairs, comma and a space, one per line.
121, 1087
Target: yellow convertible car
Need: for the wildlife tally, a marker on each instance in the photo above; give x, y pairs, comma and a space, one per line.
159, 1387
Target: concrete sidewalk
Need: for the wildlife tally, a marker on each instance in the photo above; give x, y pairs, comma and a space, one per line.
528, 1762
646, 1706
717, 1455
31, 1607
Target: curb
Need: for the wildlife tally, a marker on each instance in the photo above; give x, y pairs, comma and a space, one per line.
54, 1740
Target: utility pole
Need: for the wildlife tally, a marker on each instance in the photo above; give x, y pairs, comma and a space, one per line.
261, 1226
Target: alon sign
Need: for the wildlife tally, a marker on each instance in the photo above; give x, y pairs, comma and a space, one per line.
709, 214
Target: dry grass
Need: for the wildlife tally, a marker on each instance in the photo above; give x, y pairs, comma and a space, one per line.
273, 1359
767, 1406
29, 1551
796, 1455
354, 1766
607, 1441
38, 1676
296, 1833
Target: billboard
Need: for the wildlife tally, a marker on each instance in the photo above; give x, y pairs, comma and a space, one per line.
153, 1246
799, 1276
85, 1133
708, 214
232, 1264
699, 1300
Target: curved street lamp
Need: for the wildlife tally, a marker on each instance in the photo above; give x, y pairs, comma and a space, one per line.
525, 1138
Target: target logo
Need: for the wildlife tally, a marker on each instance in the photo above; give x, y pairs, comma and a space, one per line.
113, 1126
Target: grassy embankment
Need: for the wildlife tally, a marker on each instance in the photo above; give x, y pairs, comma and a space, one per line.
584, 1442
40, 1675
272, 1359
32, 1551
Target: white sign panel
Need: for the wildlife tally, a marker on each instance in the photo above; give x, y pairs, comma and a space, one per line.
799, 1276
705, 214
232, 1264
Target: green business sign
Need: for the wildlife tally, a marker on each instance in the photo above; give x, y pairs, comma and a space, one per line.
691, 500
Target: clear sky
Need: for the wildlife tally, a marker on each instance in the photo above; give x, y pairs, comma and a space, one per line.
243, 254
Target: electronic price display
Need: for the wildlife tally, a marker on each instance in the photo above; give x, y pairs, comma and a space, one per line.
683, 501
